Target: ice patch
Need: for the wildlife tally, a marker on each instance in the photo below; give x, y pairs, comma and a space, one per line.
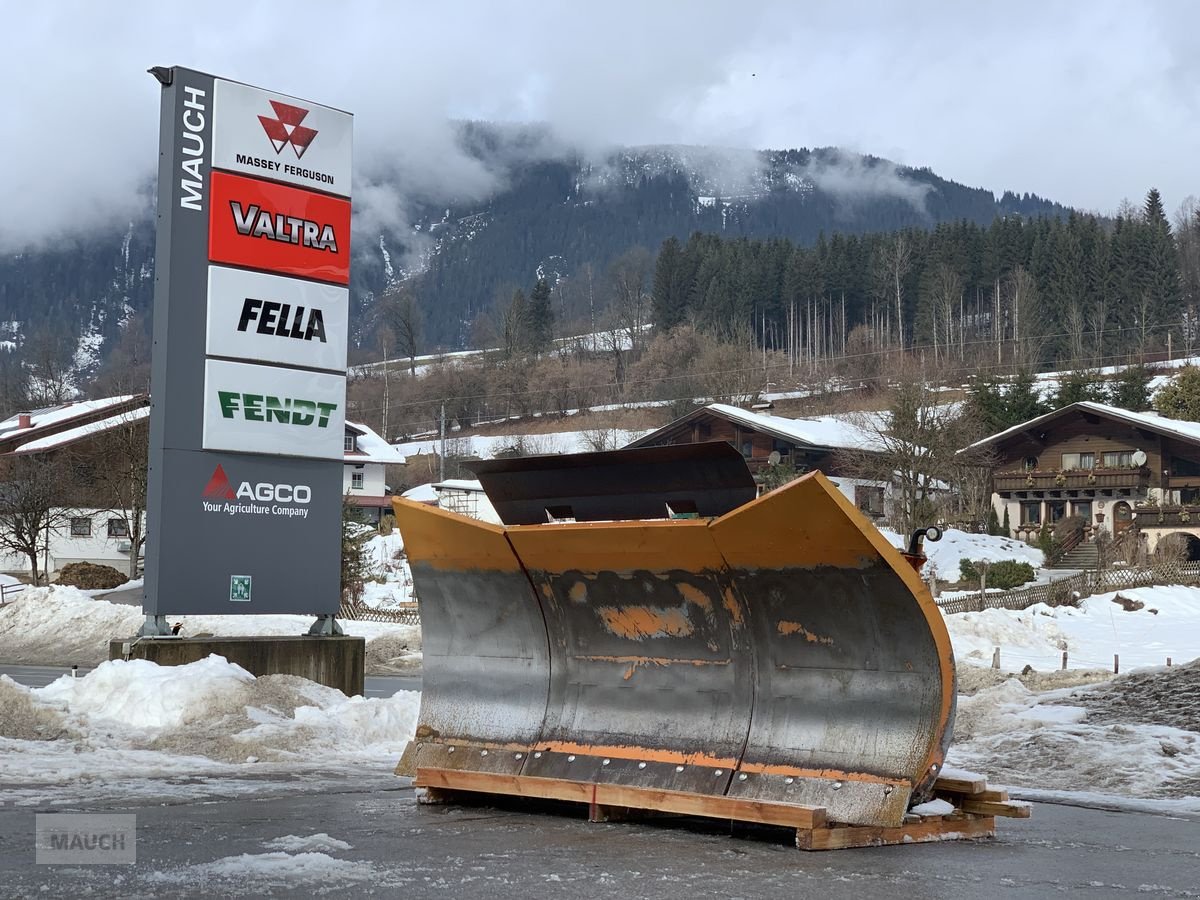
276, 868
314, 843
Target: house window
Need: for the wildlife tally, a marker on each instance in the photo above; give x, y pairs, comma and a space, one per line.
1031, 513
350, 443
1189, 495
1118, 459
1078, 461
1083, 509
118, 528
1056, 510
81, 526
783, 448
747, 449
1184, 468
1031, 463
869, 499
356, 480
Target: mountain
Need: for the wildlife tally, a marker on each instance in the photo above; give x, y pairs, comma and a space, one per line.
551, 212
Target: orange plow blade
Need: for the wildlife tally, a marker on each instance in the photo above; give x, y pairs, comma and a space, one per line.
782, 651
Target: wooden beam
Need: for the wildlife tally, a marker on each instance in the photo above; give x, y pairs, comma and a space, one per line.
843, 837
790, 815
960, 785
1011, 809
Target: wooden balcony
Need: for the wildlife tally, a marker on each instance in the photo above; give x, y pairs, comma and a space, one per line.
1096, 479
1167, 516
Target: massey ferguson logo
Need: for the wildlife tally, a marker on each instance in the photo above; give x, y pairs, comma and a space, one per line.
252, 499
285, 129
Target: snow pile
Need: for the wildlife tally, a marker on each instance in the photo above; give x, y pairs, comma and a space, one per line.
1168, 625
314, 843
64, 626
387, 566
1084, 742
135, 719
955, 545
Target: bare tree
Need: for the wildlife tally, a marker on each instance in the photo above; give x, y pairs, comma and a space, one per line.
31, 489
629, 274
1027, 328
1075, 325
892, 265
399, 311
116, 465
49, 356
913, 446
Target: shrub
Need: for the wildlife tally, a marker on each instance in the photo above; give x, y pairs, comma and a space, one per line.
1005, 574
386, 524
91, 577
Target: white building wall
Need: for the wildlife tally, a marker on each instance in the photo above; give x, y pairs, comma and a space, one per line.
64, 548
373, 479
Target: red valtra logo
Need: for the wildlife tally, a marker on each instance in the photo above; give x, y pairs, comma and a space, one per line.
219, 486
286, 129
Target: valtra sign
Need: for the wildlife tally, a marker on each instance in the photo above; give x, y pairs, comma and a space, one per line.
248, 382
275, 228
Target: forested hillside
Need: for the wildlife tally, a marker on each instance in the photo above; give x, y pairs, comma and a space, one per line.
557, 214
1071, 292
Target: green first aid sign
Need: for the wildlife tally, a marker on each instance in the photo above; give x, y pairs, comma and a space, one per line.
239, 588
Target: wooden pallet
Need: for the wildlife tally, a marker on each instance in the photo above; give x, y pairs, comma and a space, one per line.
613, 802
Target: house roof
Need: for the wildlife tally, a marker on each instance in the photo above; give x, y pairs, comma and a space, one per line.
371, 447
1176, 428
818, 432
57, 426
71, 435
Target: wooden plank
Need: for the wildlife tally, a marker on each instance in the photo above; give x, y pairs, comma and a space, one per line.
844, 837
499, 783
790, 815
961, 785
1011, 809
764, 812
991, 795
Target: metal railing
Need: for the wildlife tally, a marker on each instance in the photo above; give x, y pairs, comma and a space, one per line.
8, 591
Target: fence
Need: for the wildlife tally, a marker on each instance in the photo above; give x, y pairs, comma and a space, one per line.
8, 591
1073, 588
406, 614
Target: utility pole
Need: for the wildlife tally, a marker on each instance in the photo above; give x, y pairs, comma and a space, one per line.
442, 449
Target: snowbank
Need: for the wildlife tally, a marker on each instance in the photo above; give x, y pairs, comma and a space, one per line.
1167, 625
955, 545
138, 720
1070, 744
64, 626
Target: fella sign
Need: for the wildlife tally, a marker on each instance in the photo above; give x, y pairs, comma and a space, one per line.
249, 369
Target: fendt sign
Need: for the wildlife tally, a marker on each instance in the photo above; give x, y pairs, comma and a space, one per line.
249, 369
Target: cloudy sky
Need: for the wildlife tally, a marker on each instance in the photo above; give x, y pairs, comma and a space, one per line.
1082, 102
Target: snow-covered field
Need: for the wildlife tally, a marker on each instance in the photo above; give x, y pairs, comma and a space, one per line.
64, 626
955, 545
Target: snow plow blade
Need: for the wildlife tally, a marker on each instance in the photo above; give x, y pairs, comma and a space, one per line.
783, 651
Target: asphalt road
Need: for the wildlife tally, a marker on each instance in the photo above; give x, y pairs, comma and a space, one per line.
400, 849
40, 676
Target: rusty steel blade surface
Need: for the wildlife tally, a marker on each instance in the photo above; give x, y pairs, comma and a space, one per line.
782, 651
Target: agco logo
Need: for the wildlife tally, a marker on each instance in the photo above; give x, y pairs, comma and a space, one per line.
286, 129
219, 487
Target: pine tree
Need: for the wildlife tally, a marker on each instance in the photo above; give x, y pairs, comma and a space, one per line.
1180, 399
1007, 525
1131, 389
1075, 387
539, 317
993, 522
668, 296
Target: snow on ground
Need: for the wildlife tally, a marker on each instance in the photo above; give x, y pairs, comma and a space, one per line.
482, 446
1109, 745
1168, 624
955, 545
64, 626
131, 722
391, 580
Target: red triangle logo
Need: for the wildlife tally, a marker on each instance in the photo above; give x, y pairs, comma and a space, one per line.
219, 486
